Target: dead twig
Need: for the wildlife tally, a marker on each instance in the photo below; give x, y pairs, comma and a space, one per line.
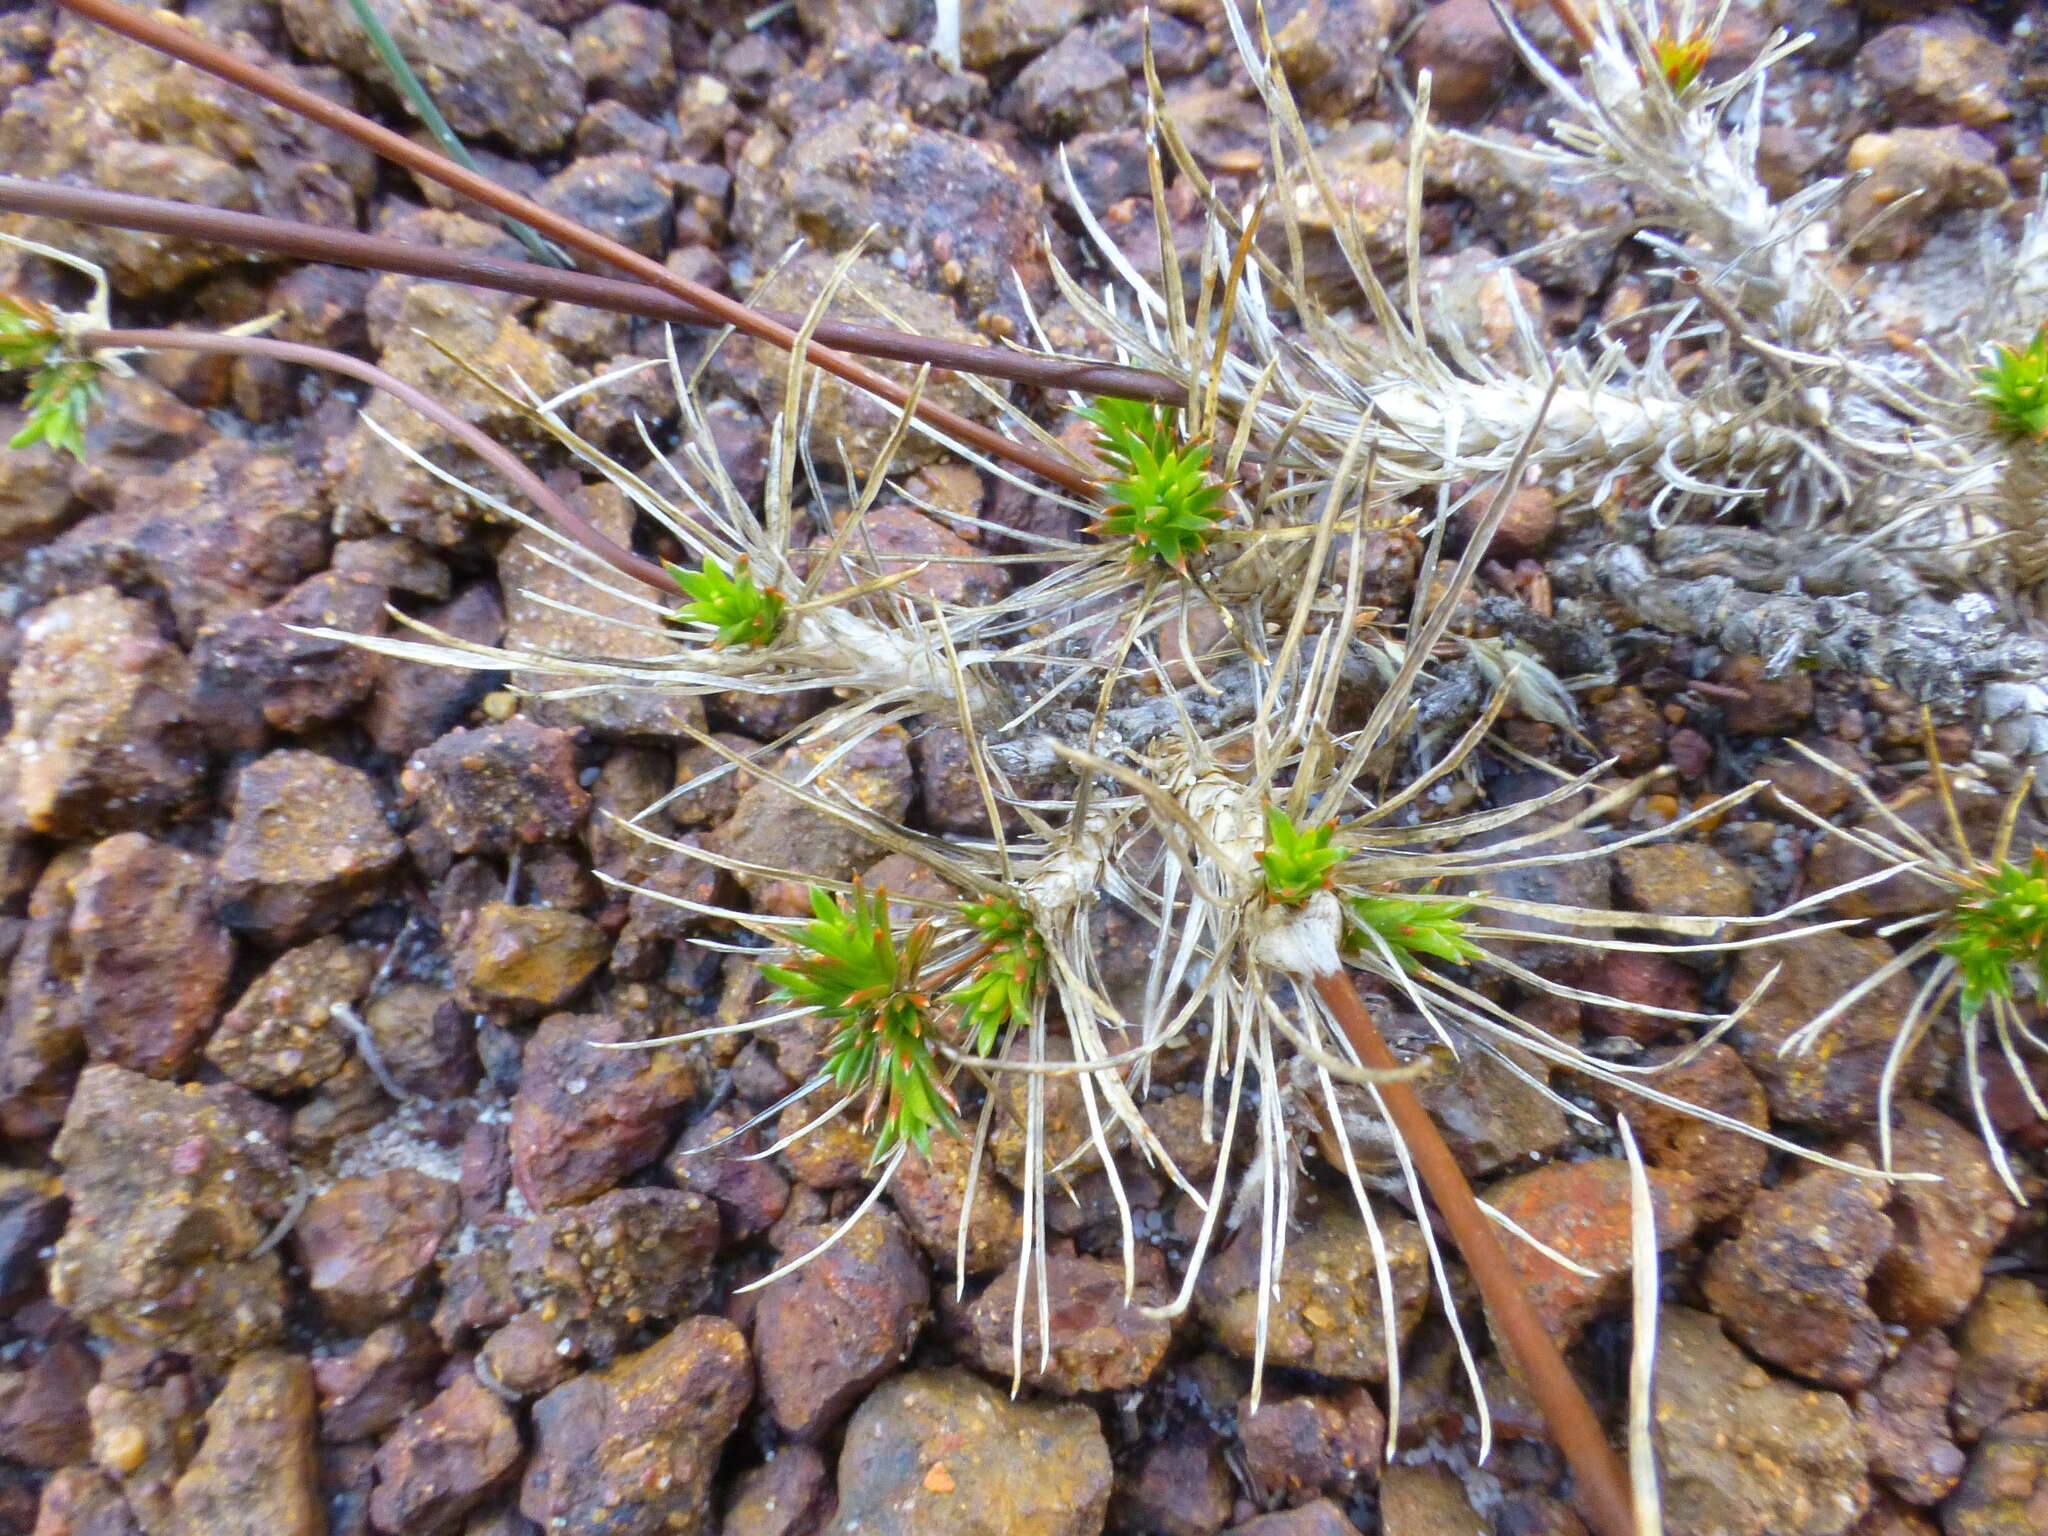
1602, 1482
381, 253
168, 38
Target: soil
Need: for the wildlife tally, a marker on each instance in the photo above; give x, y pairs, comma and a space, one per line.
321, 1213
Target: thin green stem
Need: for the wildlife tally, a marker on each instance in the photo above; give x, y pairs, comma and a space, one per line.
421, 101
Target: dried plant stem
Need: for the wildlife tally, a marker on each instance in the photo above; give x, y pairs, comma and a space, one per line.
380, 253
566, 519
1603, 1483
178, 43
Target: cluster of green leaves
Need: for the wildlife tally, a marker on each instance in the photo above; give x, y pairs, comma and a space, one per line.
1297, 861
1682, 58
1412, 929
59, 403
735, 606
1159, 494
1000, 988
1999, 931
64, 390
2014, 388
849, 964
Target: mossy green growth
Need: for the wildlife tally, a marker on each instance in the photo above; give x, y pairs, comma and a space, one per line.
849, 965
737, 608
29, 333
2014, 388
1001, 987
1413, 929
59, 403
1998, 932
1297, 860
1159, 494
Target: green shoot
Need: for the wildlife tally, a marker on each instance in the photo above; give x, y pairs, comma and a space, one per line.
2000, 930
1000, 989
738, 609
850, 968
28, 332
1298, 862
1412, 929
2014, 388
1682, 58
59, 403
1159, 494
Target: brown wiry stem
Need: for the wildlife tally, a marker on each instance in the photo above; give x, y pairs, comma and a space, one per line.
169, 38
380, 253
1574, 23
566, 519
1603, 1483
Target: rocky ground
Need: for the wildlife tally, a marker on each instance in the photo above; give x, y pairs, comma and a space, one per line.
427, 1264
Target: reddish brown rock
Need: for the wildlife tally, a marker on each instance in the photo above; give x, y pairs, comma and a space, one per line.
601, 1269
788, 1495
44, 1042
1630, 729
1945, 69
1944, 1230
1635, 977
495, 789
367, 1243
527, 960
1468, 56
426, 1041
414, 704
1426, 1501
894, 539
1725, 1166
832, 1329
83, 1501
256, 1473
1303, 1448
1681, 880
307, 844
1770, 706
1941, 169
528, 1356
930, 1193
2003, 1349
227, 529
1790, 1284
152, 957
774, 830
631, 1450
31, 1217
601, 624
259, 672
369, 1389
1100, 1341
1322, 1518
1183, 1487
43, 1418
1738, 1450
943, 1451
714, 1158
1834, 1083
2005, 1492
444, 1461
143, 1438
584, 1118
102, 736
1325, 1316
172, 1191
281, 1036
1904, 1417
1582, 1210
